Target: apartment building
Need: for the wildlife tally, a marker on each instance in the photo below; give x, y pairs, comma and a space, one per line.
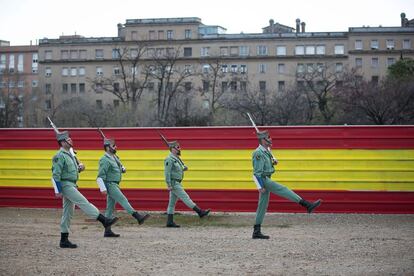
18, 76
71, 66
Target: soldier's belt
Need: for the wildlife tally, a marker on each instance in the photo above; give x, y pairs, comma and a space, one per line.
176, 180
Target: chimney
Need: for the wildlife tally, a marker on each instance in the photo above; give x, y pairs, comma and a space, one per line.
303, 26
297, 25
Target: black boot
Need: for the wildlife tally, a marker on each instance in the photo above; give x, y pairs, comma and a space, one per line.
106, 222
170, 221
64, 241
109, 234
310, 205
201, 213
257, 234
140, 218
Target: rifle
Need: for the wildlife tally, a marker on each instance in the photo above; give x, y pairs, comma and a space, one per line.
123, 169
274, 160
71, 150
163, 138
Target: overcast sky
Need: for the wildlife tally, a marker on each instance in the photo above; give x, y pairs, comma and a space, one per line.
22, 21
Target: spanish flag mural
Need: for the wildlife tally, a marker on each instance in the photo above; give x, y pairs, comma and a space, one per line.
361, 169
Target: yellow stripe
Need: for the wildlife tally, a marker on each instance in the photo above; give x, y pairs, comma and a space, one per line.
342, 169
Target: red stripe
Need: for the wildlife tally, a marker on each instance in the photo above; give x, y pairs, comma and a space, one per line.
295, 137
225, 200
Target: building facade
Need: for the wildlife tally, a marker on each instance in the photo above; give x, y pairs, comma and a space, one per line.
75, 66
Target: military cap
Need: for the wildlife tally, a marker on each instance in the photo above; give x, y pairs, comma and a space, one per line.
60, 136
173, 144
108, 142
262, 134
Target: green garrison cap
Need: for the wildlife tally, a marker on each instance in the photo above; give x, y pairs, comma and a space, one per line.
62, 135
262, 134
108, 142
173, 144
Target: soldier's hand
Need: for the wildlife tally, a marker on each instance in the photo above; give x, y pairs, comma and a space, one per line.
123, 169
262, 190
274, 161
59, 195
185, 168
81, 167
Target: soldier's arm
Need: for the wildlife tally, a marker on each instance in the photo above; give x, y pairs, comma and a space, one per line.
57, 167
258, 169
167, 171
102, 175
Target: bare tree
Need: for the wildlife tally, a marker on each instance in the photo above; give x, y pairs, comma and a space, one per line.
11, 100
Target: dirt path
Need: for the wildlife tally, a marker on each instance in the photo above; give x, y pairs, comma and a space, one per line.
319, 244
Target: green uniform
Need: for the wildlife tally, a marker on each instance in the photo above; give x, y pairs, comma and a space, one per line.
174, 173
263, 170
65, 173
110, 170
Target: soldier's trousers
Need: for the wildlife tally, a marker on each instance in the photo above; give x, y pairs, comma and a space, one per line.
71, 197
275, 188
114, 195
177, 192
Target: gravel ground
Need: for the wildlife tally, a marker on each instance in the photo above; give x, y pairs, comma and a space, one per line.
300, 244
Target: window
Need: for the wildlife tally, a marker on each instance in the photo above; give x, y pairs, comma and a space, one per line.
262, 68
206, 86
320, 50
99, 71
65, 71
310, 50
2, 63
81, 88
73, 71
116, 53
11, 63
99, 53
224, 51
82, 54
48, 55
81, 71
151, 86
244, 50
187, 86
390, 61
188, 52
134, 71
339, 67
374, 79
300, 68
299, 50
262, 86
170, 34
224, 68
151, 35
234, 51
116, 87
358, 62
243, 68
99, 104
48, 104
374, 62
280, 50
339, 49
74, 54
187, 69
281, 86
116, 71
234, 68
243, 86
133, 53
64, 54
309, 68
160, 52
48, 88
206, 68
204, 51
281, 68
233, 85
262, 50
116, 103
134, 35
161, 35
224, 86
187, 34
406, 44
34, 63
73, 88
48, 71
20, 63
20, 84
64, 88
35, 83
98, 88
390, 44
358, 45
374, 44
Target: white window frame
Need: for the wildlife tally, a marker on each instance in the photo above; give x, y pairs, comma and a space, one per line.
48, 72
243, 51
281, 51
81, 71
262, 50
310, 50
359, 44
320, 50
406, 44
374, 44
339, 49
390, 43
65, 71
204, 51
300, 50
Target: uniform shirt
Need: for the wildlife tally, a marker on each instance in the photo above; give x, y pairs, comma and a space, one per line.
110, 168
262, 162
64, 167
173, 169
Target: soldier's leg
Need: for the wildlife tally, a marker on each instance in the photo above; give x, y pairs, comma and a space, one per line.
179, 192
115, 193
260, 213
171, 203
67, 215
281, 190
78, 199
110, 208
